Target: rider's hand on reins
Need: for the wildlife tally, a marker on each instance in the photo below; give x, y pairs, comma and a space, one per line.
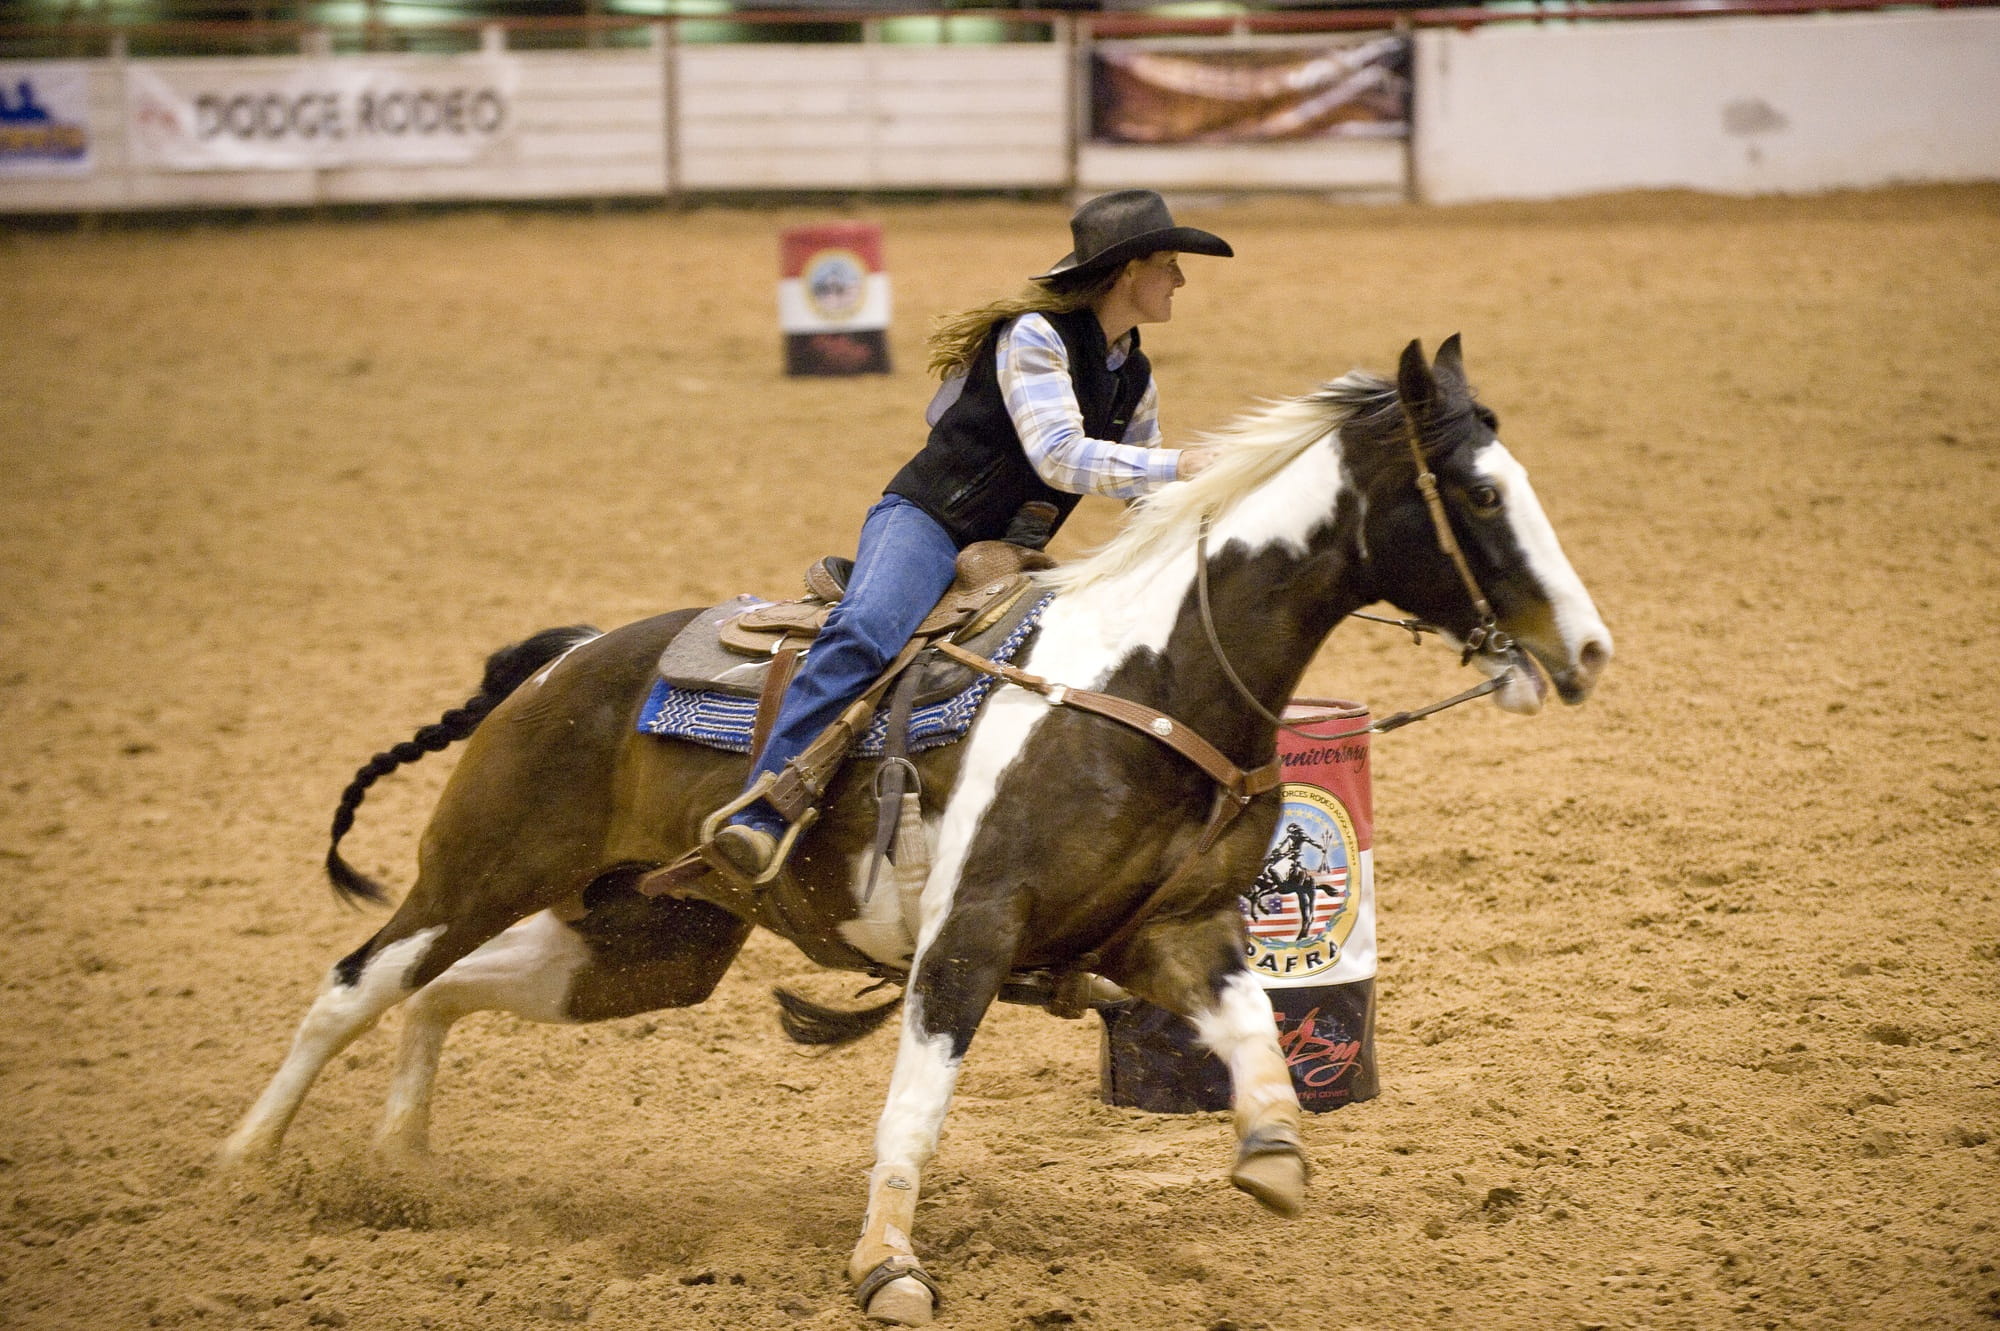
1194, 461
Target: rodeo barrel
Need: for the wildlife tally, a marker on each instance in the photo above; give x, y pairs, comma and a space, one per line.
833, 299
1310, 918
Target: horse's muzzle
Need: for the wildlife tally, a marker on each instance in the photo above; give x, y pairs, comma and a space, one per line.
1522, 688
1574, 682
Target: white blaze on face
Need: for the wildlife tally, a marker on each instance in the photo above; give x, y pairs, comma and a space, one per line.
1584, 641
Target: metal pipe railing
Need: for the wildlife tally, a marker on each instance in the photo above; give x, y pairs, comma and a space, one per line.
379, 22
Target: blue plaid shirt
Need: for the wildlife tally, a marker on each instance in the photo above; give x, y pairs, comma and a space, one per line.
1033, 365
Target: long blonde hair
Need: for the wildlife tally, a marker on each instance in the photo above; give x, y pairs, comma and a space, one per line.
954, 339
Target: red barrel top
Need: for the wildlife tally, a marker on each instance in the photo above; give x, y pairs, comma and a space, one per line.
1335, 759
797, 244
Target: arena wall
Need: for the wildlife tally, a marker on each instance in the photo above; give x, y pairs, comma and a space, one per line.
774, 117
584, 124
1730, 105
1738, 105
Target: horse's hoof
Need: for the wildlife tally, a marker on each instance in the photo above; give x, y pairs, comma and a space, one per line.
399, 1155
899, 1292
1271, 1166
902, 1302
234, 1154
1278, 1180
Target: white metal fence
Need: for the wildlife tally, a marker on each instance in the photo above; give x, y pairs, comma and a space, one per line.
1732, 104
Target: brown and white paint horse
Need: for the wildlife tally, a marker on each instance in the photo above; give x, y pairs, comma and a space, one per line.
1048, 828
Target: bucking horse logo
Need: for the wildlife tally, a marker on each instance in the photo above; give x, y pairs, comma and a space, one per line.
1286, 873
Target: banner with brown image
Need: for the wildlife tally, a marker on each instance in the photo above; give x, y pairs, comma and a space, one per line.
1254, 94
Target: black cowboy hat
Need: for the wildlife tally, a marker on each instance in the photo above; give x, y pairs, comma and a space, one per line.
1126, 224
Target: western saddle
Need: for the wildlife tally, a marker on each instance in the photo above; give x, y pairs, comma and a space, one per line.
991, 579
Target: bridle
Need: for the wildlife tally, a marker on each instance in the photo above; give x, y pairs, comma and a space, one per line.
1486, 635
1486, 638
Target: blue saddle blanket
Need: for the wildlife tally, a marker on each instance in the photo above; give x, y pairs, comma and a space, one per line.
724, 720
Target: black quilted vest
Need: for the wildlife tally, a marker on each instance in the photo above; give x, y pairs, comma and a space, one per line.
972, 476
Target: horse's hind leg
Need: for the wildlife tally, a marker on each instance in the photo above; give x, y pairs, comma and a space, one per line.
527, 969
1195, 968
357, 991
1308, 897
629, 954
429, 932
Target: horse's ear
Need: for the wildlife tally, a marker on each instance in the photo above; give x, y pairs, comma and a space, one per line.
1414, 381
1450, 363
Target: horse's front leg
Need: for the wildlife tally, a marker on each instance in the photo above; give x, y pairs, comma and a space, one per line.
1195, 968
957, 976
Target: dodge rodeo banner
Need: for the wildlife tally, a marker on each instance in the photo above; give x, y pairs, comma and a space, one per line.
1255, 94
301, 115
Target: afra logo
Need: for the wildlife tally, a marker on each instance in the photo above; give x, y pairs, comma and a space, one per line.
1299, 909
836, 283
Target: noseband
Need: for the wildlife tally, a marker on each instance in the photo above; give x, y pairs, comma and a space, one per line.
1485, 638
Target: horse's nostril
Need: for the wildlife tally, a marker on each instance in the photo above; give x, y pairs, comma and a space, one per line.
1596, 655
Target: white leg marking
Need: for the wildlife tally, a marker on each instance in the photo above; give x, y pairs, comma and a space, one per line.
920, 1093
406, 1114
339, 1014
528, 970
905, 1140
1241, 1031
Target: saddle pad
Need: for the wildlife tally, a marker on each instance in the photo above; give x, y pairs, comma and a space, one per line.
720, 719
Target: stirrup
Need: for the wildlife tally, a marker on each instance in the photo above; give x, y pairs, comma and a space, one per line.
713, 824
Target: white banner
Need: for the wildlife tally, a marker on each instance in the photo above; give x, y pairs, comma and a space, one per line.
44, 120
288, 115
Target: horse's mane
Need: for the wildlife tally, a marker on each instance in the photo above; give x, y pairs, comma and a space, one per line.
1255, 446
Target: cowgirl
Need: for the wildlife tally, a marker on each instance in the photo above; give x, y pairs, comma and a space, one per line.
1046, 398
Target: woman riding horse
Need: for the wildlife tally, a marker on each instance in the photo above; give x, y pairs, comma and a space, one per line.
1047, 397
1062, 841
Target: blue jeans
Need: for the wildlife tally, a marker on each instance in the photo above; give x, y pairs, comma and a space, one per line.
903, 566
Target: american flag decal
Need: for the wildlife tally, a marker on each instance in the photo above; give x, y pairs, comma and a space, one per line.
1280, 924
1296, 912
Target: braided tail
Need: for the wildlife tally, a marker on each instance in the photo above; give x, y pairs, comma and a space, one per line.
506, 670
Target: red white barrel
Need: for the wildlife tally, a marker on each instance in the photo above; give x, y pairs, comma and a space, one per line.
833, 299
1310, 938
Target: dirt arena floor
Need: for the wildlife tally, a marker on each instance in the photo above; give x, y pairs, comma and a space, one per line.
1688, 998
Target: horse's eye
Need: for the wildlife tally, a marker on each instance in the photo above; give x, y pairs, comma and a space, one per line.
1484, 498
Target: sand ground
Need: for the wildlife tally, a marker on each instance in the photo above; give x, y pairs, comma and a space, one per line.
1688, 996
